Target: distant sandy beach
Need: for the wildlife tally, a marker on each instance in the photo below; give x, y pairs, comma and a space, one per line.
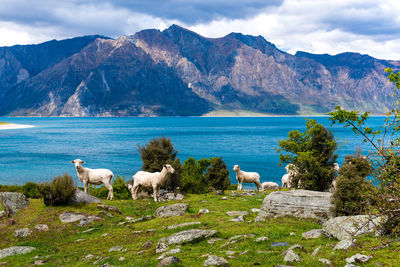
10, 126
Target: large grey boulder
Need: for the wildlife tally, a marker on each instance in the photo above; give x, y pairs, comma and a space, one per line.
69, 217
18, 250
298, 203
188, 236
167, 196
347, 227
13, 202
82, 197
177, 209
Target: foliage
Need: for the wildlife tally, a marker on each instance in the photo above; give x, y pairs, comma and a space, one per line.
312, 152
217, 175
350, 196
193, 180
10, 188
385, 157
119, 189
30, 190
155, 154
59, 191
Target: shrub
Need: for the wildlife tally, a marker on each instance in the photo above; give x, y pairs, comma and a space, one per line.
312, 152
59, 191
155, 154
30, 190
193, 180
217, 175
350, 197
10, 188
119, 189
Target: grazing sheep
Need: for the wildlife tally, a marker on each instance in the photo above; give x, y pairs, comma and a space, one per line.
269, 185
149, 179
287, 178
247, 177
336, 167
94, 176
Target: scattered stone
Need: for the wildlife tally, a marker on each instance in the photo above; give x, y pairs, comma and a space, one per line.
244, 252
219, 192
167, 196
292, 256
69, 217
224, 198
347, 227
100, 260
151, 230
315, 233
42, 227
89, 256
202, 211
141, 219
82, 197
230, 252
279, 244
140, 252
39, 262
292, 234
234, 194
24, 232
107, 265
237, 213
350, 265
261, 239
315, 252
188, 236
137, 232
182, 225
325, 261
358, 258
121, 258
237, 238
116, 248
259, 219
237, 219
292, 248
88, 230
161, 247
109, 208
215, 261
213, 240
105, 213
298, 203
254, 210
172, 210
13, 202
17, 250
147, 244
105, 234
80, 240
168, 261
344, 244
87, 220
173, 251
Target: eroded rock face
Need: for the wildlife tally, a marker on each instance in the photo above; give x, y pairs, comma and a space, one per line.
347, 227
82, 197
298, 203
17, 250
13, 202
171, 210
188, 236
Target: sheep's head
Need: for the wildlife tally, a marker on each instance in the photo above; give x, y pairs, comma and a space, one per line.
169, 168
336, 167
77, 162
129, 186
236, 168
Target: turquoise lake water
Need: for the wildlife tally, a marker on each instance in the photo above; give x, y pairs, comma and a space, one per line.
40, 153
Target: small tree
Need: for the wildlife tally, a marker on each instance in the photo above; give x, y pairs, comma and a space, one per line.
59, 191
312, 152
193, 180
217, 175
155, 154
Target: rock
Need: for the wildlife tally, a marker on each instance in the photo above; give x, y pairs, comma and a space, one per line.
237, 238
82, 197
279, 244
105, 234
237, 219
147, 244
188, 236
168, 261
137, 232
2, 214
116, 248
234, 193
100, 260
24, 232
292, 234
106, 265
42, 227
254, 210
213, 240
224, 198
17, 250
87, 220
167, 196
105, 213
259, 219
151, 230
40, 262
298, 203
121, 258
292, 256
344, 244
202, 211
347, 227
325, 261
109, 208
141, 252
315, 252
161, 247
315, 233
80, 240
292, 248
237, 213
219, 192
69, 217
215, 261
358, 258
173, 251
13, 202
140, 219
171, 210
182, 225
261, 239
89, 256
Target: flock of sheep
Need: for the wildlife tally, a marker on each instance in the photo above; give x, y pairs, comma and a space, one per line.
156, 179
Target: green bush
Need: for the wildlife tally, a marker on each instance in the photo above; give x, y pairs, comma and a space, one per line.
59, 191
10, 188
193, 180
155, 154
217, 175
350, 196
30, 190
119, 189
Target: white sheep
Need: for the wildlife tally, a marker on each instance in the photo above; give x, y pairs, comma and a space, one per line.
94, 176
287, 179
269, 185
246, 177
336, 168
149, 179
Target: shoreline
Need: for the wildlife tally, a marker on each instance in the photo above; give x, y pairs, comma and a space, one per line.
12, 126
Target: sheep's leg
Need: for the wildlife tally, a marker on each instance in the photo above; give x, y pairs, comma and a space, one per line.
85, 185
110, 192
258, 185
155, 193
239, 186
135, 190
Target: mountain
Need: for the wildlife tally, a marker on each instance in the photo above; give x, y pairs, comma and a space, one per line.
177, 72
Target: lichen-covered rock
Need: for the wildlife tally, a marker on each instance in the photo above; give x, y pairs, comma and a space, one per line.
215, 261
167, 196
13, 202
42, 227
298, 203
24, 232
69, 217
358, 258
188, 236
325, 261
182, 225
82, 197
292, 256
177, 209
168, 261
17, 250
237, 219
161, 247
344, 244
237, 213
261, 239
315, 233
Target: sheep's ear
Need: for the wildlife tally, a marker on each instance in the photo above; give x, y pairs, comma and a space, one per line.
72, 161
82, 162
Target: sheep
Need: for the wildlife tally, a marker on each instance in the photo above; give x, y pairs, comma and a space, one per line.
291, 170
149, 179
269, 185
247, 177
336, 168
94, 176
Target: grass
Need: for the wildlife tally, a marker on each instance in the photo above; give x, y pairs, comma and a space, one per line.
60, 248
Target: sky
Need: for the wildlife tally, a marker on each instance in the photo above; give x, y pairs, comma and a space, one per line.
316, 26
